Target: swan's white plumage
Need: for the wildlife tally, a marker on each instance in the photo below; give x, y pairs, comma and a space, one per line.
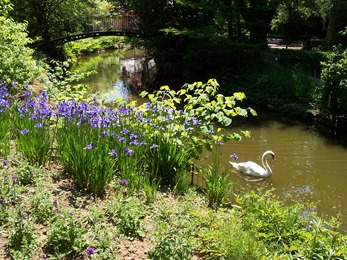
254, 169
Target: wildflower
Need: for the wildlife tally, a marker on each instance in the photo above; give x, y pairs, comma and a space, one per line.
13, 176
124, 182
134, 142
95, 101
104, 133
90, 251
125, 131
44, 256
234, 156
113, 153
89, 146
55, 203
24, 131
39, 125
70, 213
1, 200
148, 105
153, 146
121, 139
128, 151
5, 162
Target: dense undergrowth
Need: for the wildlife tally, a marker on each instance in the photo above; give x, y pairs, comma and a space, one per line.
79, 179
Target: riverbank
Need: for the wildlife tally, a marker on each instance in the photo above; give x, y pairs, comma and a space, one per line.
45, 215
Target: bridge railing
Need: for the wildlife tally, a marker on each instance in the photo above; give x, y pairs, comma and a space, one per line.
109, 23
95, 26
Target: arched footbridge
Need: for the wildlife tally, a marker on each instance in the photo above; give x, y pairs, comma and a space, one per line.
126, 25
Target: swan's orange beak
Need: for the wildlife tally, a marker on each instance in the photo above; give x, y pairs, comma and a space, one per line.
273, 157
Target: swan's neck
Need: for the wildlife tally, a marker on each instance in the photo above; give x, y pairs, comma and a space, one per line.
265, 164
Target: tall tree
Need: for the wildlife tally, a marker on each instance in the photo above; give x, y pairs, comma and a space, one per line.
51, 18
298, 19
258, 15
337, 21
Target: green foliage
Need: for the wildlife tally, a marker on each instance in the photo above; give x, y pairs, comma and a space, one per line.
286, 83
226, 239
22, 237
85, 155
333, 92
176, 229
168, 163
32, 130
86, 46
275, 224
41, 205
47, 19
16, 59
218, 186
171, 247
26, 173
126, 214
205, 107
66, 236
150, 188
63, 84
9, 189
4, 128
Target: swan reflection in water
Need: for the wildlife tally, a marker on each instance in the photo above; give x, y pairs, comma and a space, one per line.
251, 171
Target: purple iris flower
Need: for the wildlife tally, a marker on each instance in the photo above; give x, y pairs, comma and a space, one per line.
153, 146
89, 146
24, 131
113, 153
121, 139
125, 131
124, 182
39, 125
234, 156
55, 203
90, 251
128, 151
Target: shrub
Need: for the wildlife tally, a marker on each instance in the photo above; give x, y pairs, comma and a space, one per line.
65, 236
16, 59
333, 92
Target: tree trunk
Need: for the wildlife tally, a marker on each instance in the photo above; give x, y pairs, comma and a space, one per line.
335, 25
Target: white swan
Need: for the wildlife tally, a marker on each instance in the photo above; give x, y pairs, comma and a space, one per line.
254, 169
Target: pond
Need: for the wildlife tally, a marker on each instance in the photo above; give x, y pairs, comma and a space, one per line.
310, 165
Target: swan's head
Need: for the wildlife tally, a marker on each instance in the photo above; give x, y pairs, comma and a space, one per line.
270, 153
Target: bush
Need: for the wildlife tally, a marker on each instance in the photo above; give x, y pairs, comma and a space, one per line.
16, 59
333, 92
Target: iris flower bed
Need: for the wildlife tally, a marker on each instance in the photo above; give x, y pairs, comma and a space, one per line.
151, 143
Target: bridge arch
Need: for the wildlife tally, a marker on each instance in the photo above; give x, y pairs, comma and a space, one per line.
101, 26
